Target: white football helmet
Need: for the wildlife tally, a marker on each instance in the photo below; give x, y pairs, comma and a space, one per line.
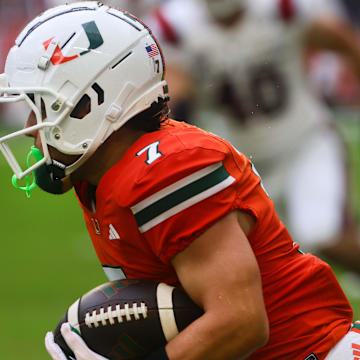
80, 54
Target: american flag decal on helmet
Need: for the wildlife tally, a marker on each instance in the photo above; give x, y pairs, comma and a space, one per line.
152, 50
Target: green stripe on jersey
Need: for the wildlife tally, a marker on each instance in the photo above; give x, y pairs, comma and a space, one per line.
181, 195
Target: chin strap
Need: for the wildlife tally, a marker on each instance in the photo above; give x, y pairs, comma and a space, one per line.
50, 178
30, 186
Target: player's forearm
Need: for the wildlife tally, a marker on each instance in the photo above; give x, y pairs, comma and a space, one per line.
219, 335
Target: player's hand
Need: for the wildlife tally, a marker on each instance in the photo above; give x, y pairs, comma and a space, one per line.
75, 343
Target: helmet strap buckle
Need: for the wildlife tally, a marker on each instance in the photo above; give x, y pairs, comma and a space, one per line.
44, 61
114, 113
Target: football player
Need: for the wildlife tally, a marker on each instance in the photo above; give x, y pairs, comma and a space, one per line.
164, 200
241, 68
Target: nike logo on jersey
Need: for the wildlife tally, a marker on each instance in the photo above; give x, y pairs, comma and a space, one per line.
113, 235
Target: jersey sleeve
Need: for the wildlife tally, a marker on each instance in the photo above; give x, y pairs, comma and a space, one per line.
186, 191
193, 189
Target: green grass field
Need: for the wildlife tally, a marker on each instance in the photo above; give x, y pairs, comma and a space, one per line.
47, 260
349, 125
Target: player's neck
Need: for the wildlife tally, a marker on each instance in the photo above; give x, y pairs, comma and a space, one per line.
106, 156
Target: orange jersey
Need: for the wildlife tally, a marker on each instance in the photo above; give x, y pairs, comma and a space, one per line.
169, 187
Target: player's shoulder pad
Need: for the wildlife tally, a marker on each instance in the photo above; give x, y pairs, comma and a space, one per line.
177, 168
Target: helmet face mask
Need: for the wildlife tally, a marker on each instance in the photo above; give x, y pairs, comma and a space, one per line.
13, 95
92, 67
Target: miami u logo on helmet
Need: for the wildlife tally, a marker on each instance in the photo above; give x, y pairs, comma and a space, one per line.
95, 40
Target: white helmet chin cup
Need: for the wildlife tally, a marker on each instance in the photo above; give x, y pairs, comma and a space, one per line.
93, 68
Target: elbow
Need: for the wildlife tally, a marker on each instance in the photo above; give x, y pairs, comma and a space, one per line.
255, 332
260, 331
263, 333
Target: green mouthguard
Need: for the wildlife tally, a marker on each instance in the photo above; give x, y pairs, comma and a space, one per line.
30, 186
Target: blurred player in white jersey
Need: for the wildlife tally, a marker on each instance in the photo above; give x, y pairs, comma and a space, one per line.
247, 60
140, 8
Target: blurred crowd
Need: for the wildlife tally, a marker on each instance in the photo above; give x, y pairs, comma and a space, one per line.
265, 75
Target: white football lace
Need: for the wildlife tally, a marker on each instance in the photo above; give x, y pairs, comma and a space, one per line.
94, 319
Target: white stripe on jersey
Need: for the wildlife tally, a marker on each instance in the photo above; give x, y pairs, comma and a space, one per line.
215, 186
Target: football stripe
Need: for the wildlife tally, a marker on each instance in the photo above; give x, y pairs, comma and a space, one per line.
73, 318
166, 311
181, 195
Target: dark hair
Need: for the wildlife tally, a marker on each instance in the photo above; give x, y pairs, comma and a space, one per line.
150, 119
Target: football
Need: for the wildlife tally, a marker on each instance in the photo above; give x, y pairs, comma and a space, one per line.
128, 319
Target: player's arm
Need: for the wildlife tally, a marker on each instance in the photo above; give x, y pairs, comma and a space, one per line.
336, 35
220, 272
